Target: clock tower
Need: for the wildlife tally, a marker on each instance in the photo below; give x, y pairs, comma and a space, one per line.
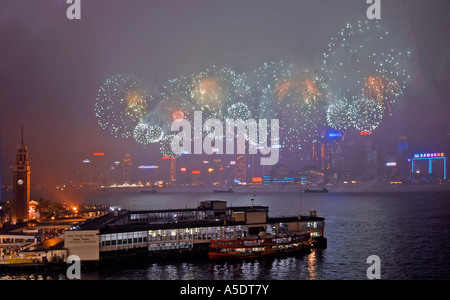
21, 184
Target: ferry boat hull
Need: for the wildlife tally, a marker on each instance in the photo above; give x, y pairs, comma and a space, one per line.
259, 248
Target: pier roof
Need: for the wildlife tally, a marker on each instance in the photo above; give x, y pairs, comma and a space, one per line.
105, 220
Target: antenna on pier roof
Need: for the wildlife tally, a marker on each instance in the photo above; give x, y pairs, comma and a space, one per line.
21, 136
253, 199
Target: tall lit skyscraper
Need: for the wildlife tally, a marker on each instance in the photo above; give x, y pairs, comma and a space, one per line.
402, 145
126, 169
21, 184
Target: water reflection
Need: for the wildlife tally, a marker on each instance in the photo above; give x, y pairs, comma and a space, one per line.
408, 231
312, 265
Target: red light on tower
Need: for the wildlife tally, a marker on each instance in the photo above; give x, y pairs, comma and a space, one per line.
99, 154
196, 172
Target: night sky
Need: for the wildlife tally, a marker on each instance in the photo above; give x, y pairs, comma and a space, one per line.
51, 68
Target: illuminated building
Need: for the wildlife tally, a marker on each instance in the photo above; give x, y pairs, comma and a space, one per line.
168, 172
180, 233
33, 211
196, 179
173, 176
147, 175
100, 168
320, 155
183, 177
21, 184
429, 158
241, 169
403, 153
280, 175
126, 168
94, 171
327, 154
402, 145
85, 173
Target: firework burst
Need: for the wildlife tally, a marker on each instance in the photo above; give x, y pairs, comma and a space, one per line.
339, 114
145, 133
166, 146
367, 114
120, 104
214, 89
358, 65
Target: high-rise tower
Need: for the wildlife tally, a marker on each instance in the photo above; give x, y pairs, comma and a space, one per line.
21, 184
126, 169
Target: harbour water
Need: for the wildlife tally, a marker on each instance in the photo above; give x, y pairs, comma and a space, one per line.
409, 232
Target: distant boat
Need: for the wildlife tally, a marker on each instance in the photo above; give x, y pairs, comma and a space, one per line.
324, 190
224, 191
149, 191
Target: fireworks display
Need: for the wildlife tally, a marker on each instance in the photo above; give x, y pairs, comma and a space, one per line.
145, 133
366, 114
267, 80
175, 102
356, 87
300, 109
154, 134
214, 89
239, 110
166, 148
140, 133
120, 105
340, 114
381, 90
360, 68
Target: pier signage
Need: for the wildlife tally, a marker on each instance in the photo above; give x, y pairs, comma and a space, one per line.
83, 243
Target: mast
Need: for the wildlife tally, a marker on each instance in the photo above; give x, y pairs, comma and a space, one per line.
301, 196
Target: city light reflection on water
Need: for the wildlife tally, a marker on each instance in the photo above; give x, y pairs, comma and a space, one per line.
302, 267
312, 265
408, 231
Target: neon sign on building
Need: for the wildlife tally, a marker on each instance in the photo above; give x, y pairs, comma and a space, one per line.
430, 157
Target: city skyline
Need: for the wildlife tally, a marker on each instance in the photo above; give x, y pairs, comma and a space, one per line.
214, 141
56, 109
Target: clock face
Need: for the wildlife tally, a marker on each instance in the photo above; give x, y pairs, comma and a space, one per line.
20, 182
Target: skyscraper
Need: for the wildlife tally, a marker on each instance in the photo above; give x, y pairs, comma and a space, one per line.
21, 184
126, 169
